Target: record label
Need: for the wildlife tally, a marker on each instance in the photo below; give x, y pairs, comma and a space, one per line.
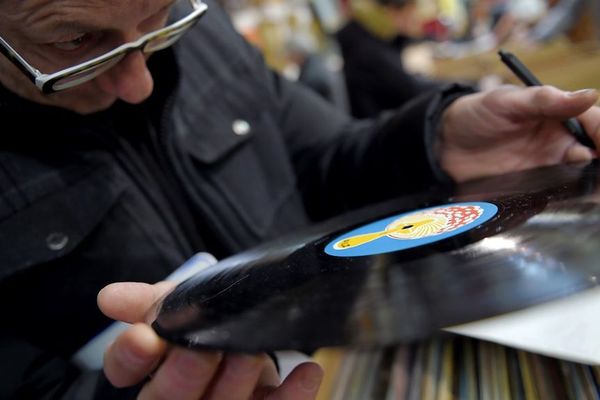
412, 229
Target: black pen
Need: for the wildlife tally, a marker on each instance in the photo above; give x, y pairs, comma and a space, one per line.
521, 71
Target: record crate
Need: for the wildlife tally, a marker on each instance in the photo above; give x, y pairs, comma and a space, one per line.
452, 367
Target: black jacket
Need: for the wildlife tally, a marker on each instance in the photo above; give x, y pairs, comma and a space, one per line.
376, 79
224, 155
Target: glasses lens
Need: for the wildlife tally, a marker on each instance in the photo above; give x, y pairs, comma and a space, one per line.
86, 74
182, 16
175, 28
164, 41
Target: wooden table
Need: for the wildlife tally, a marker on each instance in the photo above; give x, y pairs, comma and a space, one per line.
562, 64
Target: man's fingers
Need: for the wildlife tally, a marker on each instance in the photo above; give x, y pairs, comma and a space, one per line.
184, 374
130, 301
133, 355
559, 104
579, 153
591, 123
544, 102
269, 376
301, 384
238, 376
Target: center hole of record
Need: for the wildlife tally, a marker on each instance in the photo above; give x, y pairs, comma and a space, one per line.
407, 226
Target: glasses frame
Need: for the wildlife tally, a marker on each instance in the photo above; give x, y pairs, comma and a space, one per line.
45, 82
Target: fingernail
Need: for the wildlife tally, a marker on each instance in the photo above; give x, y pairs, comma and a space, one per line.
581, 92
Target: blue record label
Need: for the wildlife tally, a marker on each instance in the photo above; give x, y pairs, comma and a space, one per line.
411, 229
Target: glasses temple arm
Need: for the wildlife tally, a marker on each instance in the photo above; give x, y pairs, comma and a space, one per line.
18, 61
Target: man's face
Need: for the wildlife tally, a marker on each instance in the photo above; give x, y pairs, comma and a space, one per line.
407, 20
56, 34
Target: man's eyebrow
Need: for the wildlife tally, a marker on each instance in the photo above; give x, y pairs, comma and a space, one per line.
59, 27
63, 23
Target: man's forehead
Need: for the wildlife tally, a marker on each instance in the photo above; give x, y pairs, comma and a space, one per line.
32, 5
34, 12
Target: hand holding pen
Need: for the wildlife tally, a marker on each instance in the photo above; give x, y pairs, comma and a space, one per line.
527, 77
507, 129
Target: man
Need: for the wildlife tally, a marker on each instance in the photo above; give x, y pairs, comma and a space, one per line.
131, 163
371, 44
564, 18
313, 70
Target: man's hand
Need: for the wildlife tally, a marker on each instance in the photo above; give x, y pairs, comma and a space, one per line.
511, 128
179, 373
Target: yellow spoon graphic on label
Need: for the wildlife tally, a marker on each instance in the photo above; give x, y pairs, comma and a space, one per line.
403, 227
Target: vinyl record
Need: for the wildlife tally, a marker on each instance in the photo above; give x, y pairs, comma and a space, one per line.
400, 270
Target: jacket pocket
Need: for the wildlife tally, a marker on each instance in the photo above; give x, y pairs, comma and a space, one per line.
238, 154
53, 225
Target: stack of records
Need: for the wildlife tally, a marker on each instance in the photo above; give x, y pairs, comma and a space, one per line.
453, 367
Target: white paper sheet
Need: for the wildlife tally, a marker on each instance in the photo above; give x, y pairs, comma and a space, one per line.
568, 328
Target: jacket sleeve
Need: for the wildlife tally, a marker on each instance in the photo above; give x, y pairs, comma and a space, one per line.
343, 164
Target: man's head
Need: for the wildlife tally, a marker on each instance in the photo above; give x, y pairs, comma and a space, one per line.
397, 3
388, 18
405, 16
52, 35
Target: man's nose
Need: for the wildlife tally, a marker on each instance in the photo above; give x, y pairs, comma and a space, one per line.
129, 80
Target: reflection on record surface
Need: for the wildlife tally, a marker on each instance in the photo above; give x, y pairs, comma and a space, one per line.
400, 270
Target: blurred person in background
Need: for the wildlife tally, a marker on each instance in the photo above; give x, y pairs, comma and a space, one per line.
565, 18
495, 22
371, 44
531, 22
316, 69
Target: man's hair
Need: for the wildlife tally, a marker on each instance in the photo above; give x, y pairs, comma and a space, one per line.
395, 3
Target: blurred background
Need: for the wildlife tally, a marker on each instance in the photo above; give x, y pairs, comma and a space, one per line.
432, 41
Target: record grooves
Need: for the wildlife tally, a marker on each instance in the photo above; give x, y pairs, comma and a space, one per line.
401, 270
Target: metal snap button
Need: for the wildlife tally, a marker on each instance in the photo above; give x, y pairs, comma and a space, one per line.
240, 127
57, 241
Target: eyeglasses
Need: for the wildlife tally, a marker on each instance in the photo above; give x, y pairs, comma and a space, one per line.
83, 72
